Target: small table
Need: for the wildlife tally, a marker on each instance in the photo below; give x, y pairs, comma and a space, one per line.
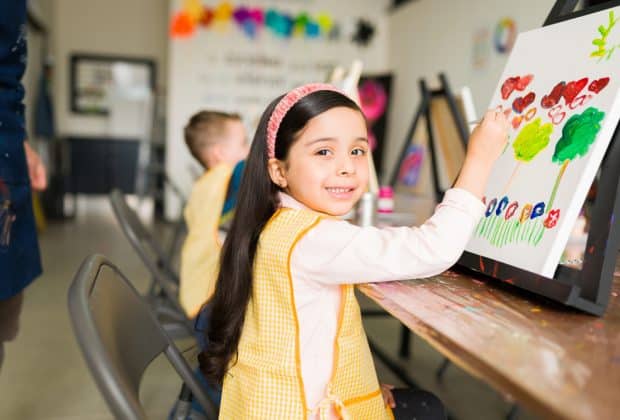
550, 358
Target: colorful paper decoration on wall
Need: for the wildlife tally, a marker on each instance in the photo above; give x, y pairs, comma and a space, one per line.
251, 20
364, 31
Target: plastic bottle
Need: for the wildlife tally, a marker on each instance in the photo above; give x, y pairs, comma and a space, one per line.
385, 203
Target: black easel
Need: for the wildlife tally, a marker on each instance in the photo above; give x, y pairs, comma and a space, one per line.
587, 289
424, 110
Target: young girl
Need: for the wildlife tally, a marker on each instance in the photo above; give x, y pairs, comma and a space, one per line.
286, 336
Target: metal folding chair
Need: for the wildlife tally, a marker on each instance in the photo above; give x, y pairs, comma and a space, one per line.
163, 291
120, 336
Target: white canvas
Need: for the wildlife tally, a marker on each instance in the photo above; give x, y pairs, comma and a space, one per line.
566, 119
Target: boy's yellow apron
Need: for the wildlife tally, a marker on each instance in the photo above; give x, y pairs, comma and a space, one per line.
265, 382
200, 255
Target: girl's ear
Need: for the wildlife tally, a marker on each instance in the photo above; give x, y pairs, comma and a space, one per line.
277, 172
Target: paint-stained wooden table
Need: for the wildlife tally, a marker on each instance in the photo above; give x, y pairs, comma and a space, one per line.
558, 362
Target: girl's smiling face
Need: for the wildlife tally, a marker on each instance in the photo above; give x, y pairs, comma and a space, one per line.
327, 166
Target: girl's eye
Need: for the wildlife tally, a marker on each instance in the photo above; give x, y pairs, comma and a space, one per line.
358, 152
323, 152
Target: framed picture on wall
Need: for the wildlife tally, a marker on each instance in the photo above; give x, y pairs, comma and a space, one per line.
94, 76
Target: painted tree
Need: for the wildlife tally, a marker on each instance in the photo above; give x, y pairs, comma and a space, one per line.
578, 134
530, 141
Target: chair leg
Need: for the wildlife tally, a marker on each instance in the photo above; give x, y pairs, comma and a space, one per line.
152, 288
176, 237
513, 414
176, 330
184, 404
442, 370
392, 365
405, 334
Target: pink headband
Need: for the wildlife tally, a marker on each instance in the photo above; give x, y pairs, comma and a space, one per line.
285, 105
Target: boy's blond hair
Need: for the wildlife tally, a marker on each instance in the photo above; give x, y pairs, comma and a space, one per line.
203, 130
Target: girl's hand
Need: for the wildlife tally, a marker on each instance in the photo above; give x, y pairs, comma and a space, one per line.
488, 140
486, 144
388, 398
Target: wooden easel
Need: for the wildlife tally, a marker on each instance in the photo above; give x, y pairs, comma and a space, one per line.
425, 110
588, 288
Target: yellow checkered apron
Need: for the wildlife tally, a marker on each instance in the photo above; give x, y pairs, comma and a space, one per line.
265, 381
200, 255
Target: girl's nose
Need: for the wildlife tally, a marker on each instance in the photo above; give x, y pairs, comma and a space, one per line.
347, 167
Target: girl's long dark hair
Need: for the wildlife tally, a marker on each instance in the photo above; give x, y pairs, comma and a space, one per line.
257, 202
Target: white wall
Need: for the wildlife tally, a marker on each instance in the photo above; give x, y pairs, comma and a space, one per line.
429, 36
120, 27
201, 74
417, 40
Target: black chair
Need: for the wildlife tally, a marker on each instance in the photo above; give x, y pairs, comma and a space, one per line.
119, 337
164, 289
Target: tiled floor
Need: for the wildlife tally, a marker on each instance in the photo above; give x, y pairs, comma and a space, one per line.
44, 376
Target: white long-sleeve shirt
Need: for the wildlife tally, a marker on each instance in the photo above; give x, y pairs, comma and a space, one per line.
337, 252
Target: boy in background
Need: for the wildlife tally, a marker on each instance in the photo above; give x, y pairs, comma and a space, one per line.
218, 141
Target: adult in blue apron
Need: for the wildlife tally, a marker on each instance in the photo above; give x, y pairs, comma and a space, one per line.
20, 262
